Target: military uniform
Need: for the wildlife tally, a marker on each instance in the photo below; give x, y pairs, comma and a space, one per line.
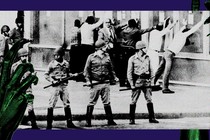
99, 69
58, 69
138, 74
30, 108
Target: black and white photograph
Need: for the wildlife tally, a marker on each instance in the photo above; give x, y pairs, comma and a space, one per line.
111, 70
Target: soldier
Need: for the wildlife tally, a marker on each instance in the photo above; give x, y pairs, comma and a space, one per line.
138, 74
130, 35
58, 69
23, 55
99, 69
16, 33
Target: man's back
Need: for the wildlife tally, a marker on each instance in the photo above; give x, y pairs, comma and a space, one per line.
75, 38
130, 36
155, 40
177, 43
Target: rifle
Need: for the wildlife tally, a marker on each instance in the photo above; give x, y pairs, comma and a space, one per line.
97, 83
62, 81
154, 88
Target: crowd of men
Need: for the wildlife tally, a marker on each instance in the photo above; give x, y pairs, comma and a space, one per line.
108, 53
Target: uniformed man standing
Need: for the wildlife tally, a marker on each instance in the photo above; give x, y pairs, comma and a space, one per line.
58, 69
99, 74
23, 56
138, 74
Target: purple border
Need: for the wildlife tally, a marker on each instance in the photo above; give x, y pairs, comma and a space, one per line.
98, 5
97, 134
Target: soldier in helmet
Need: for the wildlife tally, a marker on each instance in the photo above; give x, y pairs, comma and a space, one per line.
16, 33
99, 69
138, 74
58, 69
23, 56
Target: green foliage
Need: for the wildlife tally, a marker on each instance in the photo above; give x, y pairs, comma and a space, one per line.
13, 97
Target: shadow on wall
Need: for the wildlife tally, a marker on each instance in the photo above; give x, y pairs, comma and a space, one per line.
193, 44
190, 70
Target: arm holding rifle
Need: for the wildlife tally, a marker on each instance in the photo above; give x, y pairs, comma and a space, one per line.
57, 81
130, 73
47, 74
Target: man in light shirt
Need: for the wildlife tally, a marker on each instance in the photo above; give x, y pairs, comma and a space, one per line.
87, 39
174, 48
155, 43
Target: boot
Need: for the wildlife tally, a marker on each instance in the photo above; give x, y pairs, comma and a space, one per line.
132, 113
32, 118
25, 120
122, 83
151, 113
108, 112
89, 115
68, 116
49, 118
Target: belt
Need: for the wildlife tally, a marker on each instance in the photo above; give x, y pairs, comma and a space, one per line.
142, 76
154, 50
95, 82
100, 81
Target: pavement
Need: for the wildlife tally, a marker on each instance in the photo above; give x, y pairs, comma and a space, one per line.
188, 101
123, 124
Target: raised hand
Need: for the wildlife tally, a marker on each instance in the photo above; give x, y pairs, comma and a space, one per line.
13, 100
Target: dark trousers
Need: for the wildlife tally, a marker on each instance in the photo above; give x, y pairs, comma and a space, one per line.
74, 54
85, 51
165, 68
125, 54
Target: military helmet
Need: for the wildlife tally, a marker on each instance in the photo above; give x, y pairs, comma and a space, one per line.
22, 52
99, 43
140, 45
5, 28
59, 51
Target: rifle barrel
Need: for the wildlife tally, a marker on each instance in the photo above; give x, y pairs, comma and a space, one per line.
62, 81
154, 88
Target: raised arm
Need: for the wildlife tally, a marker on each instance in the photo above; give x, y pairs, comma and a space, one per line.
143, 31
97, 24
196, 27
168, 28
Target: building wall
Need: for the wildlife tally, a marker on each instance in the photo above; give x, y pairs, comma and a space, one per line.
8, 18
191, 71
191, 65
